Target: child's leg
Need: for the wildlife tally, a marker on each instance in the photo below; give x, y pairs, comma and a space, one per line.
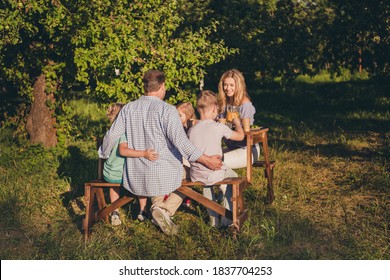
227, 192
208, 192
114, 195
142, 203
142, 216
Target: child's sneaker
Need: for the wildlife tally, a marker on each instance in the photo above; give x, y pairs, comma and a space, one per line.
142, 216
115, 220
214, 222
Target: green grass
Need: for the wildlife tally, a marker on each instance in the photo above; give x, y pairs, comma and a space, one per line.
330, 142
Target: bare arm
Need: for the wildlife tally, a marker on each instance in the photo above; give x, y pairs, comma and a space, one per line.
238, 134
149, 154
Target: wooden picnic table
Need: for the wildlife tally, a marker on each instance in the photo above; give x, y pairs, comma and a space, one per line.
94, 190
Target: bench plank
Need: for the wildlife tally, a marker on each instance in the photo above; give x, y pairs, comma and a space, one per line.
206, 202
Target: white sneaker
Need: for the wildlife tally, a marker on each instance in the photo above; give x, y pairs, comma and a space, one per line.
115, 220
142, 216
161, 217
214, 221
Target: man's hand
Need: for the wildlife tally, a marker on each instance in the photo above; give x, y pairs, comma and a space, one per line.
213, 162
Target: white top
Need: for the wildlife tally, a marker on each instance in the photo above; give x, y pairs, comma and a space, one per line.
206, 135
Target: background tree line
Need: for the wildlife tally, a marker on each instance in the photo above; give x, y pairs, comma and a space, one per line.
50, 49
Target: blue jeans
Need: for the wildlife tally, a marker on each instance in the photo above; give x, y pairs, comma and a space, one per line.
226, 192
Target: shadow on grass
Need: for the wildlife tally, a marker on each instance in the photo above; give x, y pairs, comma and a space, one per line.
330, 112
289, 235
78, 169
327, 150
353, 106
81, 169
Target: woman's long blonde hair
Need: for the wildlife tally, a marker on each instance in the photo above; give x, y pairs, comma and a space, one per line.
239, 93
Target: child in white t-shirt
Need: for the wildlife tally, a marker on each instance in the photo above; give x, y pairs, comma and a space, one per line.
206, 135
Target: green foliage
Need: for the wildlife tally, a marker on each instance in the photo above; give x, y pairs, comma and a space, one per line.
131, 37
86, 41
360, 30
284, 38
81, 119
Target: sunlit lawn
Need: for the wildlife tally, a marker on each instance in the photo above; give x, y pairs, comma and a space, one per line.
331, 146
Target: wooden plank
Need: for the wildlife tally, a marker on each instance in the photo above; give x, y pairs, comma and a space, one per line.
206, 202
227, 181
102, 183
103, 213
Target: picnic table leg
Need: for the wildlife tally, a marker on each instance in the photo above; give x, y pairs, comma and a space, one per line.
241, 203
101, 202
89, 196
236, 223
249, 142
270, 189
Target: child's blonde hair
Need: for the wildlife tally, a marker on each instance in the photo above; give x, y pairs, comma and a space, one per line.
113, 110
240, 91
206, 99
187, 109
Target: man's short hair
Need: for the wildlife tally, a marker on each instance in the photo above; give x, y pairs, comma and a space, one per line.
153, 79
206, 99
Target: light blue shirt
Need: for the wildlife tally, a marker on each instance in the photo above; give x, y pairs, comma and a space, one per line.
113, 166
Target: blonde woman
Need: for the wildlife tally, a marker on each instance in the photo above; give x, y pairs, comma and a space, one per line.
232, 93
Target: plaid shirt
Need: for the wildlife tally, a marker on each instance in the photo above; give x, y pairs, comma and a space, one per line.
150, 123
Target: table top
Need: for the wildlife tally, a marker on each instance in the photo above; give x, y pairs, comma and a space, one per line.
262, 129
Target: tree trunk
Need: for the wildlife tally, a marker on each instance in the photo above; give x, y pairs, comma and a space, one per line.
40, 121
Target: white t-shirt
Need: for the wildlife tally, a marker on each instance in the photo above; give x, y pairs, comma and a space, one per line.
206, 135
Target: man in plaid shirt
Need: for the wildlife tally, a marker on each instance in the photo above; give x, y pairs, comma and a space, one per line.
151, 123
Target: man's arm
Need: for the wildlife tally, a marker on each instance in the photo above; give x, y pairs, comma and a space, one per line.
178, 137
175, 133
213, 162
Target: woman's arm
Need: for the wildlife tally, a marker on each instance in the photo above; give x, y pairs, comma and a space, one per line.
238, 134
149, 154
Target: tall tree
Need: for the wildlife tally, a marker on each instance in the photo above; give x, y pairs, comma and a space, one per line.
47, 45
360, 36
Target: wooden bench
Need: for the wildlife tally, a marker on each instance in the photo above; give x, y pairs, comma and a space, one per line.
94, 190
238, 214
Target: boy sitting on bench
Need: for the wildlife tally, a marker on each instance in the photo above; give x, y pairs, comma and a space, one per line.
206, 135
